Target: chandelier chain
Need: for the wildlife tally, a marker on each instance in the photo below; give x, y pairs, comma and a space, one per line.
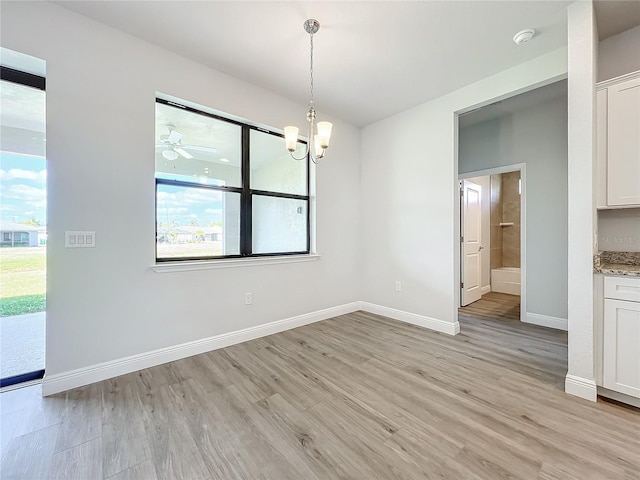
311, 69
316, 145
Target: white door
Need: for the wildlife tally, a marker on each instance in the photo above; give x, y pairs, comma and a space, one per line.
471, 237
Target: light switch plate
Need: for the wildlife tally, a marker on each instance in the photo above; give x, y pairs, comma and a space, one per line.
77, 239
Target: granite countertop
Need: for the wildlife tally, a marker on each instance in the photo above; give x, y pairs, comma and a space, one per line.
617, 263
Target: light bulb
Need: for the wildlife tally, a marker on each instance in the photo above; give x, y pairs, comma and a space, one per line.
291, 138
324, 133
317, 147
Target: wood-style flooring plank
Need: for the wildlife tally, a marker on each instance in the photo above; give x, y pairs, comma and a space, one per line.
358, 396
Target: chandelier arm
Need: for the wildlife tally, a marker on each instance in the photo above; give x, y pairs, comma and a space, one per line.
307, 150
302, 157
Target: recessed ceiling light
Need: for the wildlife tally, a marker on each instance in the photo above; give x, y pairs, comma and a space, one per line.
524, 36
224, 160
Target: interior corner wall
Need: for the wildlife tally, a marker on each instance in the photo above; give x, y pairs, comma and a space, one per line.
106, 303
582, 57
618, 55
410, 200
537, 137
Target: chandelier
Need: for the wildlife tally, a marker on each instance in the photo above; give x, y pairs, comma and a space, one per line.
320, 140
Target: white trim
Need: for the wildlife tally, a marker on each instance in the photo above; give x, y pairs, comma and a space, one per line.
64, 381
546, 321
485, 289
581, 387
166, 267
451, 328
614, 80
61, 382
522, 168
493, 171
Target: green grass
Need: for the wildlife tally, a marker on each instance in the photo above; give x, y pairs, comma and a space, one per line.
22, 305
22, 280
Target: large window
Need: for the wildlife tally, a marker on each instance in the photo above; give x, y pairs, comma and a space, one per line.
226, 188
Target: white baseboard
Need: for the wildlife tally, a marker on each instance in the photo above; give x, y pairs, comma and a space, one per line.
451, 328
546, 321
485, 289
64, 381
581, 387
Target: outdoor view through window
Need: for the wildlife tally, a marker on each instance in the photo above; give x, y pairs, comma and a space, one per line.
23, 230
225, 188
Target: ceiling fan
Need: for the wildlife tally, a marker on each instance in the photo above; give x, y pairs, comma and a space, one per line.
172, 145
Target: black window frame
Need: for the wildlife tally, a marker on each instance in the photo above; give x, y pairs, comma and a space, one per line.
245, 191
38, 82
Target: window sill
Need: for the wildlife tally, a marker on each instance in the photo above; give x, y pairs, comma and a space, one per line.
167, 267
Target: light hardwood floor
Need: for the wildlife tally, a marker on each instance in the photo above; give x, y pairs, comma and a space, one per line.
354, 397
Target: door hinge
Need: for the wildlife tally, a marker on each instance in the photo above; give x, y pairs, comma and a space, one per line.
461, 239
461, 284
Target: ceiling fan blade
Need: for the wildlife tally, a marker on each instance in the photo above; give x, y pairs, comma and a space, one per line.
201, 149
174, 137
182, 152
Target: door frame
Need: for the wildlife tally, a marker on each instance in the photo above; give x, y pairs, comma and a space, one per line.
516, 167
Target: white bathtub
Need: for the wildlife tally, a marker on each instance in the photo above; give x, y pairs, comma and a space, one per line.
506, 280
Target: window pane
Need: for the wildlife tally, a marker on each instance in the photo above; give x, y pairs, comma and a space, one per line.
197, 222
279, 225
273, 169
194, 147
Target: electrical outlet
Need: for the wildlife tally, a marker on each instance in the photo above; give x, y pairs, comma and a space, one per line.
398, 286
248, 299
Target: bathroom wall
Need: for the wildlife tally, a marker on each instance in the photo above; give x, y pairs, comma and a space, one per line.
510, 200
496, 219
505, 208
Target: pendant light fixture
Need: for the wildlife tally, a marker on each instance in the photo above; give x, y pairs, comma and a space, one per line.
319, 140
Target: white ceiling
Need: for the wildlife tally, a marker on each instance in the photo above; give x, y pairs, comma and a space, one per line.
372, 58
548, 93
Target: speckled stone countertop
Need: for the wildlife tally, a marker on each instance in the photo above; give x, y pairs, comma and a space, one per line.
617, 263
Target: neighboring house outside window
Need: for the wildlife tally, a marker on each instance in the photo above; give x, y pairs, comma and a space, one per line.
226, 188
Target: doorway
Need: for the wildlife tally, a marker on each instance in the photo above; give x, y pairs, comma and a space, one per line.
23, 220
492, 225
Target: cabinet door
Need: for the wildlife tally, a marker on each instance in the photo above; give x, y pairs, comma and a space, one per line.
621, 352
623, 143
601, 148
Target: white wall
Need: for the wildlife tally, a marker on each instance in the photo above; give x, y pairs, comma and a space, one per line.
537, 137
618, 55
485, 234
410, 195
583, 45
106, 303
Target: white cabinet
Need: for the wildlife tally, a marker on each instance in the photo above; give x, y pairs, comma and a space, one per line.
621, 335
618, 143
